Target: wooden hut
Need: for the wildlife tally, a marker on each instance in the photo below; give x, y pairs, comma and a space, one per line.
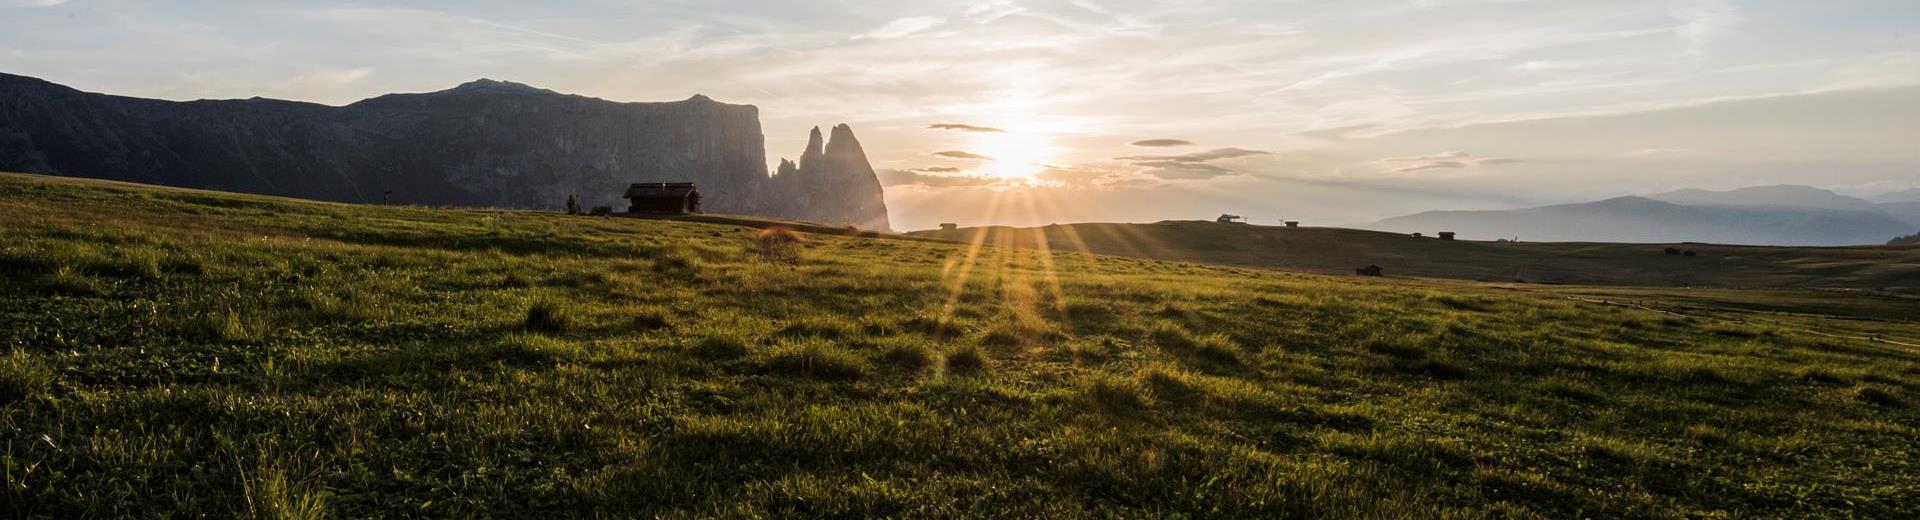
663, 197
949, 226
1371, 270
1446, 235
1292, 223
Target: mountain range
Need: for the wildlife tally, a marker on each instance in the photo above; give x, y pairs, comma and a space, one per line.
1762, 215
485, 143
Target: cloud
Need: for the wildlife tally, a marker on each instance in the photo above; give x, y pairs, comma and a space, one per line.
1340, 132
1702, 22
1190, 166
1443, 161
1162, 143
938, 169
958, 127
1071, 175
969, 156
916, 178
1196, 157
903, 26
38, 3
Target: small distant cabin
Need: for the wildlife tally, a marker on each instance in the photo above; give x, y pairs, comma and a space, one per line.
1446, 235
1230, 219
1417, 234
663, 198
949, 226
1293, 223
1371, 270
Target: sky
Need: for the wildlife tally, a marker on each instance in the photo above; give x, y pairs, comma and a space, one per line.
1033, 112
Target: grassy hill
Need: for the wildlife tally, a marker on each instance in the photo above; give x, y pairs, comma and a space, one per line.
173, 352
1894, 270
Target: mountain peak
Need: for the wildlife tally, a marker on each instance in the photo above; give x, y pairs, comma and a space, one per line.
492, 85
1787, 195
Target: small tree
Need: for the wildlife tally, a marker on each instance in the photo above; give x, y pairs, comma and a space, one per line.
573, 205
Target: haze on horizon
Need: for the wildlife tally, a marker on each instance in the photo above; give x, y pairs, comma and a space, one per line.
1099, 110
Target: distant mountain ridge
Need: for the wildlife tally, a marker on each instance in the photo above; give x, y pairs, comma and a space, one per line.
483, 143
1765, 215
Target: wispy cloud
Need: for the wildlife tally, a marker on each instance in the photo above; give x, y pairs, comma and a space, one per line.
1161, 143
1196, 157
959, 127
1704, 21
920, 178
904, 26
1442, 161
962, 155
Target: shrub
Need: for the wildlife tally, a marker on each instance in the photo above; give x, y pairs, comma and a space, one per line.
779, 244
22, 377
819, 360
547, 316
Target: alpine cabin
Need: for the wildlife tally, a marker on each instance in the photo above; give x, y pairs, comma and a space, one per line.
663, 198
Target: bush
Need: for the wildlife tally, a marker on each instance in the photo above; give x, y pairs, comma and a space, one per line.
818, 360
547, 316
779, 244
22, 377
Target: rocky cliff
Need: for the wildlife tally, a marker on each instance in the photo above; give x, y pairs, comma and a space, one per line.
484, 143
832, 177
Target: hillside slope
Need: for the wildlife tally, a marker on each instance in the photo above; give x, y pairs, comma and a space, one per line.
482, 144
185, 353
1339, 251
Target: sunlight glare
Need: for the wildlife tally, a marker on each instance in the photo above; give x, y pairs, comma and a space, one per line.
1016, 155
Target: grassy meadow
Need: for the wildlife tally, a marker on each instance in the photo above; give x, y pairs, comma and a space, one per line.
175, 353
1875, 269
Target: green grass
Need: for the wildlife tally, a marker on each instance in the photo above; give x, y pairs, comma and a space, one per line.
1893, 270
183, 353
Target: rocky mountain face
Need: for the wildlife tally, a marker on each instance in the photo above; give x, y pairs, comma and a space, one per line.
484, 143
828, 171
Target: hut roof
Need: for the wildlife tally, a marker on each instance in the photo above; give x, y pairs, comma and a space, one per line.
651, 190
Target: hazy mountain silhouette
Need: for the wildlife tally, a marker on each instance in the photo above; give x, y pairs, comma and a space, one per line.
1791, 196
1906, 195
1718, 218
483, 143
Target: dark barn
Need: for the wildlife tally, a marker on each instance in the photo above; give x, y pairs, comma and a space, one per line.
663, 197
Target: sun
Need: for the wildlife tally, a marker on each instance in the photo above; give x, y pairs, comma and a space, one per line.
1015, 155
